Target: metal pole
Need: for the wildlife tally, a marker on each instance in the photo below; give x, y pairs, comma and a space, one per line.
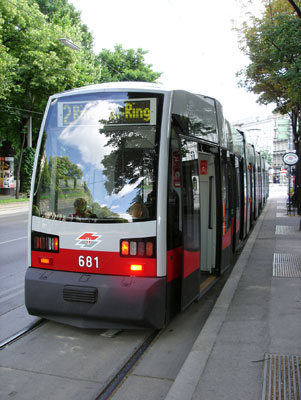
289, 191
29, 131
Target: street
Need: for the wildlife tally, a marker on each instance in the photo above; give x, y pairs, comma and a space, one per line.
13, 264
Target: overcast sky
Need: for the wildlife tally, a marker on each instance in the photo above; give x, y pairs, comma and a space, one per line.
190, 41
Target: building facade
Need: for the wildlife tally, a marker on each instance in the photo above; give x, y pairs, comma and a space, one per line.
271, 136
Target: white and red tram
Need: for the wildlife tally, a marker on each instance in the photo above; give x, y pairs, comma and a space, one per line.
138, 203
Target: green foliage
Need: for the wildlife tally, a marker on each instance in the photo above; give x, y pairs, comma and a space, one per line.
65, 169
26, 168
267, 156
34, 64
273, 44
125, 65
12, 200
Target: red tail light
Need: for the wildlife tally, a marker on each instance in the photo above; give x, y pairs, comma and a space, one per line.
149, 249
142, 247
56, 244
44, 242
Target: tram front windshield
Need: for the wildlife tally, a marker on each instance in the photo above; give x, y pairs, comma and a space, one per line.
98, 158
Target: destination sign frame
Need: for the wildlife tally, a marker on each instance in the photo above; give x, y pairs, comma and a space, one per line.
112, 112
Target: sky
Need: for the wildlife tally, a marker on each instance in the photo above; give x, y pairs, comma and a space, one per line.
190, 41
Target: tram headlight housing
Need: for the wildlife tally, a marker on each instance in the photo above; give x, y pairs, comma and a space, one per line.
142, 247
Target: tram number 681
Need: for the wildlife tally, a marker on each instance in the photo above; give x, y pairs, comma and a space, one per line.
88, 262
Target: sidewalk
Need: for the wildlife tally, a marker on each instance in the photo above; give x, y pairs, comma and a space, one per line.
13, 208
250, 346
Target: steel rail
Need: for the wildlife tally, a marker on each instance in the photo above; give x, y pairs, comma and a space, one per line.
120, 375
20, 334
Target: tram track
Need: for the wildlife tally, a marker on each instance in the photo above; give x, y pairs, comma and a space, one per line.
13, 338
115, 383
127, 367
99, 365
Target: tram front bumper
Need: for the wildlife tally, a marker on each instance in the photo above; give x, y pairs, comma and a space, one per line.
96, 301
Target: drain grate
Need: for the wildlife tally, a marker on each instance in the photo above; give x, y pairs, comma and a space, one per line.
287, 266
282, 377
285, 230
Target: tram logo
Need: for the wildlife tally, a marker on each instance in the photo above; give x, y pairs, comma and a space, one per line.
88, 240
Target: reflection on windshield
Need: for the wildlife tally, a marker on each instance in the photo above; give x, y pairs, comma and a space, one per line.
95, 164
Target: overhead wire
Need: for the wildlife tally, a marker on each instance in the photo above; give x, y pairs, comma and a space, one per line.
5, 107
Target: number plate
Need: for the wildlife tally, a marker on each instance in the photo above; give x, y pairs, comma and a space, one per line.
88, 262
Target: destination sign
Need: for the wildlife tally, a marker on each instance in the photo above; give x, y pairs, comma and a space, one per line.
140, 111
108, 112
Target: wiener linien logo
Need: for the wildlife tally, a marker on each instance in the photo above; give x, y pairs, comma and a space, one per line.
88, 240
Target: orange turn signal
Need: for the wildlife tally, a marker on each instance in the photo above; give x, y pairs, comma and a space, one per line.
136, 267
46, 260
125, 248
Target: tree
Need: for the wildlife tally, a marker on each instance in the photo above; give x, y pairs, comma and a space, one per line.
125, 65
40, 64
273, 44
267, 155
56, 10
34, 64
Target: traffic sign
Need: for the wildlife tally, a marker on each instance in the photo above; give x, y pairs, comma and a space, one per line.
290, 158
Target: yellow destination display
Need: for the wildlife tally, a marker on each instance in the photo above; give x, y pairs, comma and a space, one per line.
124, 112
133, 112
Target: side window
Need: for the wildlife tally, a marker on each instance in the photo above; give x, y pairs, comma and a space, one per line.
174, 224
190, 195
226, 182
238, 188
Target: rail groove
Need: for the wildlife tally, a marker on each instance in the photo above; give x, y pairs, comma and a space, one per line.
20, 334
121, 374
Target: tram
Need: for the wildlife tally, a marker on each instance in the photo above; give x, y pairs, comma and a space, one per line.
140, 196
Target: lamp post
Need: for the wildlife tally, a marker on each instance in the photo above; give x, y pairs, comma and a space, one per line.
70, 44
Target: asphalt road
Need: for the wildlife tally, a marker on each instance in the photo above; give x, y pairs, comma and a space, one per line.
13, 264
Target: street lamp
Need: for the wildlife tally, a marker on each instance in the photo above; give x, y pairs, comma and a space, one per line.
70, 44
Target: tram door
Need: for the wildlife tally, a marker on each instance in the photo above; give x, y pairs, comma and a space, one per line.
227, 210
238, 220
207, 212
190, 221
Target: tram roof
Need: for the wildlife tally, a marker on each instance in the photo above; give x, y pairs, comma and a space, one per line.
125, 86
118, 86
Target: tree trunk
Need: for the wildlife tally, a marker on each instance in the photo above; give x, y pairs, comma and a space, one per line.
19, 166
